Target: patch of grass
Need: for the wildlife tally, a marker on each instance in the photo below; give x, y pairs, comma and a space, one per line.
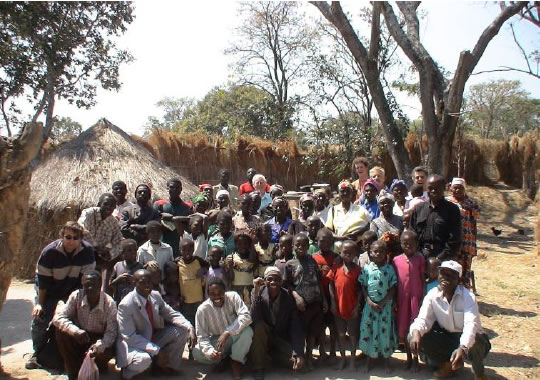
501, 284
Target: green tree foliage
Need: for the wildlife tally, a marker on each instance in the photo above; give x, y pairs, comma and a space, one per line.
270, 52
500, 108
236, 110
51, 50
173, 111
64, 128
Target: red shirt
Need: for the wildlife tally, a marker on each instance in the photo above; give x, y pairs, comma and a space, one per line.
346, 289
325, 260
246, 187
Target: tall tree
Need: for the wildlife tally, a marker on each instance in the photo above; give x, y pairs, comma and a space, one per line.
440, 99
64, 128
498, 109
270, 51
59, 50
173, 111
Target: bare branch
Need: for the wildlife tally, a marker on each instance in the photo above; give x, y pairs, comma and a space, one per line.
375, 32
506, 68
521, 48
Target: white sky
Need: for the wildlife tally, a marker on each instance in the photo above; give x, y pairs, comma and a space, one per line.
178, 47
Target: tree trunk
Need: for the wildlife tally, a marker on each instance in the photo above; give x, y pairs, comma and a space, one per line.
15, 156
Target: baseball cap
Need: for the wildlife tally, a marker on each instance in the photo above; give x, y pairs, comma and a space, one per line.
451, 264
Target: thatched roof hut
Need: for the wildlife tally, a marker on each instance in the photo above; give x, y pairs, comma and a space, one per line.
73, 178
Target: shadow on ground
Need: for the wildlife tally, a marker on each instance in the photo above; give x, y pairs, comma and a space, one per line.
489, 310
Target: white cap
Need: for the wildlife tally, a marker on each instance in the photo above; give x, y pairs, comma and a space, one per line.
222, 192
451, 264
458, 181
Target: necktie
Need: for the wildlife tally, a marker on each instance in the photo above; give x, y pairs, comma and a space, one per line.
149, 312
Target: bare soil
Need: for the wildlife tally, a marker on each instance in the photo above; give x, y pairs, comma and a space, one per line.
507, 271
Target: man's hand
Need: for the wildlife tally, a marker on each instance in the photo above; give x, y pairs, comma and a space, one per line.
216, 355
457, 358
300, 303
82, 337
298, 363
37, 310
257, 283
192, 340
96, 349
415, 342
222, 340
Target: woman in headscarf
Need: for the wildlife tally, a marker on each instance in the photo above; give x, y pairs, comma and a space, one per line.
346, 219
307, 206
223, 199
371, 190
208, 190
387, 221
398, 188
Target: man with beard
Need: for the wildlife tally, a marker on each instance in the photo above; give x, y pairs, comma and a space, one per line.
448, 329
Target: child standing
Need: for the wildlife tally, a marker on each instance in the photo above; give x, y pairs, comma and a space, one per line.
345, 301
224, 237
198, 235
154, 249
314, 224
325, 260
241, 267
302, 278
264, 248
433, 265
170, 286
410, 270
215, 268
368, 238
122, 275
377, 330
190, 269
285, 252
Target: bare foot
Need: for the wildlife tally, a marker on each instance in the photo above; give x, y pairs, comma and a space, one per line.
387, 366
369, 365
341, 364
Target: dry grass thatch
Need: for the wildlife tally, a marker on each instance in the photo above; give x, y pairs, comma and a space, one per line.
74, 177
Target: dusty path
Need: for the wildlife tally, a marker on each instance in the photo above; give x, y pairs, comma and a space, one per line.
507, 272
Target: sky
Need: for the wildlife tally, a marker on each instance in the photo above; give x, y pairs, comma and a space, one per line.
178, 48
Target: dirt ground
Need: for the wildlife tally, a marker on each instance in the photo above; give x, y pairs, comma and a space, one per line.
507, 272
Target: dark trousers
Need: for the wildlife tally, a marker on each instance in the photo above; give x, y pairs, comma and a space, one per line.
38, 328
312, 318
73, 352
265, 343
438, 345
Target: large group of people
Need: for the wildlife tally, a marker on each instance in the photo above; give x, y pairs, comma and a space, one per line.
380, 265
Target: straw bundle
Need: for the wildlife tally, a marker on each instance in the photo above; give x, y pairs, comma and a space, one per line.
74, 177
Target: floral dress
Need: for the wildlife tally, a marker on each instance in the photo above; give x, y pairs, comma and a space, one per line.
377, 330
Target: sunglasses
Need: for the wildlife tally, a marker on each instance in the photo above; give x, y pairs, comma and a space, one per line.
69, 237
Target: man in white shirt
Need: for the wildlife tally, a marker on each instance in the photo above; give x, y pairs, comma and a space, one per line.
448, 329
222, 325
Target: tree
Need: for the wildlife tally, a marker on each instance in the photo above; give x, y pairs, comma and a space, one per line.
233, 111
498, 109
64, 129
17, 153
440, 99
271, 51
173, 110
59, 50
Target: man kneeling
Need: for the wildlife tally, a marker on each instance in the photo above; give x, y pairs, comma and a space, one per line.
143, 335
447, 329
87, 322
276, 325
222, 324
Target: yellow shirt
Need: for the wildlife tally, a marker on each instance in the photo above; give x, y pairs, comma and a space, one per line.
265, 256
190, 286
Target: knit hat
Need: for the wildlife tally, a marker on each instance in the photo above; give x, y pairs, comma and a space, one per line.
223, 192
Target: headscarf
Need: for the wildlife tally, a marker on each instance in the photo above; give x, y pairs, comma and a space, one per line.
458, 181
200, 198
272, 270
397, 182
372, 182
345, 183
385, 195
223, 192
204, 186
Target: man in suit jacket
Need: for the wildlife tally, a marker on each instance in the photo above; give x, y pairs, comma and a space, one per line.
277, 329
144, 335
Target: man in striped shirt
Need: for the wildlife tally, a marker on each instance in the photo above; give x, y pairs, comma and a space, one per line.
59, 270
222, 325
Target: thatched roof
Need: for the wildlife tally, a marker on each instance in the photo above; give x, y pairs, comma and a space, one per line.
86, 167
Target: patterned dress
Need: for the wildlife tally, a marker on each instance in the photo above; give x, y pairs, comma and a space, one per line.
470, 212
377, 330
